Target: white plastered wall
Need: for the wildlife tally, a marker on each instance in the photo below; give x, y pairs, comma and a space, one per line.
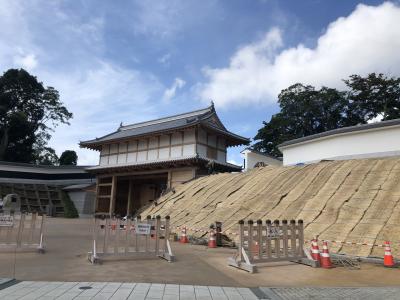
252, 158
167, 146
372, 143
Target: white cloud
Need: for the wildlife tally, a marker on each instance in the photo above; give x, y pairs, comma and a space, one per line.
368, 40
163, 20
158, 18
28, 62
101, 98
165, 59
171, 92
69, 47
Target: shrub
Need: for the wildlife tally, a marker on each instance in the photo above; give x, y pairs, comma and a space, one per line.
70, 210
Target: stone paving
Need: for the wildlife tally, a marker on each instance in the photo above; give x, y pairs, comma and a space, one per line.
4, 281
29, 290
373, 293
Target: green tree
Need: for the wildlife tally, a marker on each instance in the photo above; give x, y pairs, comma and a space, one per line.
70, 210
47, 156
28, 112
375, 95
68, 158
304, 111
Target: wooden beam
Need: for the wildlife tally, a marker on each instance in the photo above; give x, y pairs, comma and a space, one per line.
113, 194
96, 205
169, 179
129, 206
138, 173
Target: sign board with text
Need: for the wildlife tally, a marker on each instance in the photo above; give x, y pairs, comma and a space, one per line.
143, 228
6, 221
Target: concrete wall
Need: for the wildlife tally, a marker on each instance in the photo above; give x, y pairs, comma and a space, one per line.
251, 158
380, 142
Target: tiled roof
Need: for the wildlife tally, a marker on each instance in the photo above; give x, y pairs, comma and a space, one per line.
157, 163
260, 153
344, 130
164, 125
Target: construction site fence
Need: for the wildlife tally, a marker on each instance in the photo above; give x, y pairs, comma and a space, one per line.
230, 232
268, 242
22, 232
130, 237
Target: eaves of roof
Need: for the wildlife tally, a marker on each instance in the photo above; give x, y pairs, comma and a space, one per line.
65, 167
341, 131
158, 126
164, 126
261, 153
160, 164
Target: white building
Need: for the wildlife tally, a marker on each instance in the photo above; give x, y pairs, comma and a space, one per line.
380, 139
254, 158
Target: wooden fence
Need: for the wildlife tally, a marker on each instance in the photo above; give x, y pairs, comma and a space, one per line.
114, 237
21, 232
271, 242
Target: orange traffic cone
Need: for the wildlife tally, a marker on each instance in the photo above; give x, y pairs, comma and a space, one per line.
255, 248
212, 243
388, 260
184, 238
315, 250
325, 258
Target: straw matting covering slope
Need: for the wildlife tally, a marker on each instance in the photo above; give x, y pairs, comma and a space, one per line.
353, 201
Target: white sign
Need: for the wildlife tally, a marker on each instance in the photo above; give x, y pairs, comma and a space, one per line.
6, 220
274, 232
143, 228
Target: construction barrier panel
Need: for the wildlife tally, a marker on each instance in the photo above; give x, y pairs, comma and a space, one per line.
271, 242
130, 237
21, 232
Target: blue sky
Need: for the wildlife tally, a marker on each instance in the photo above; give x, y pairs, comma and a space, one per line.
130, 61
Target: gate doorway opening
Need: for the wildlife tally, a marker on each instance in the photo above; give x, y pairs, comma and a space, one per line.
126, 195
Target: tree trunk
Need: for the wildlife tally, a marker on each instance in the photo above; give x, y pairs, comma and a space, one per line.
3, 143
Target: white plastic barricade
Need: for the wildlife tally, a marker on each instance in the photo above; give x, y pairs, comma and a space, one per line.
21, 232
271, 242
130, 237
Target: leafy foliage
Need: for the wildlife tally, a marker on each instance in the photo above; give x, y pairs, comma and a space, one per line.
28, 111
374, 96
306, 110
70, 210
47, 156
68, 157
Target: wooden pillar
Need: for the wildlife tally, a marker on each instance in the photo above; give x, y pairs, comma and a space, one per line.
129, 206
113, 194
169, 183
96, 205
